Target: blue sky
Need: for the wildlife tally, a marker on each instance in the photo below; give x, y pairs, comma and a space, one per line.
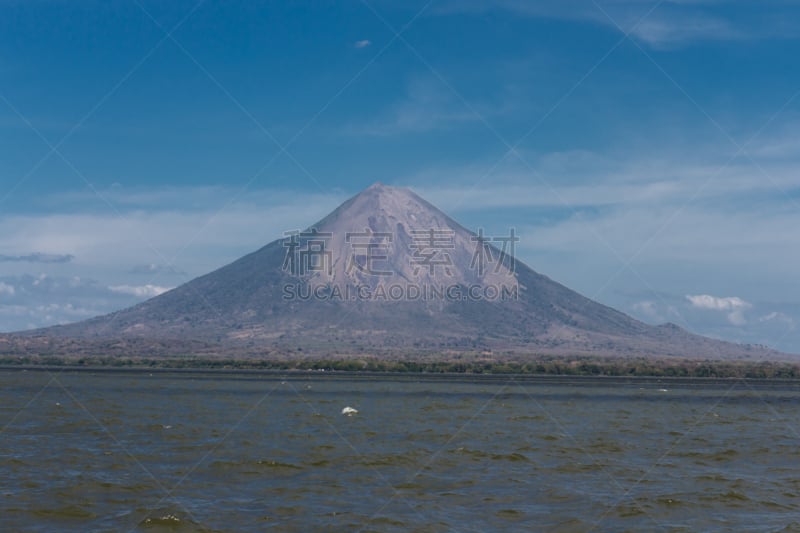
646, 151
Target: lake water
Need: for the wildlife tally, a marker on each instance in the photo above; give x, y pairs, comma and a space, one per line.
131, 451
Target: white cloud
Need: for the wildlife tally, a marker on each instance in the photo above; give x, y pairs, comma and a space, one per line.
218, 228
657, 212
18, 317
732, 305
671, 24
153, 268
668, 31
37, 257
646, 308
776, 316
783, 144
142, 291
705, 301
578, 178
149, 233
428, 105
42, 300
362, 44
5, 288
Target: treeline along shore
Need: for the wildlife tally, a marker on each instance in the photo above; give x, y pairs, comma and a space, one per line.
549, 366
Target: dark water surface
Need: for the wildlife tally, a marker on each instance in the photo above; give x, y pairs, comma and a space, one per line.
130, 451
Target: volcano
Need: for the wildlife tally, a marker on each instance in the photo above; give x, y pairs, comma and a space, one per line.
385, 274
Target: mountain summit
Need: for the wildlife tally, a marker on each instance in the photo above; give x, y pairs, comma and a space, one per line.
389, 235
388, 273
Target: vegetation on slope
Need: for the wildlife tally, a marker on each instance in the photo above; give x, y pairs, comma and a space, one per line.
579, 366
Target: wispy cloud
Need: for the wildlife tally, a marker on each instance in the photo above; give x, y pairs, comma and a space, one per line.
428, 105
5, 288
362, 44
153, 269
581, 178
647, 308
677, 216
782, 145
151, 230
777, 316
31, 301
37, 258
140, 291
671, 24
20, 317
666, 31
147, 233
660, 311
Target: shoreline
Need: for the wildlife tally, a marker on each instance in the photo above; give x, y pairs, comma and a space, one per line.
423, 375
